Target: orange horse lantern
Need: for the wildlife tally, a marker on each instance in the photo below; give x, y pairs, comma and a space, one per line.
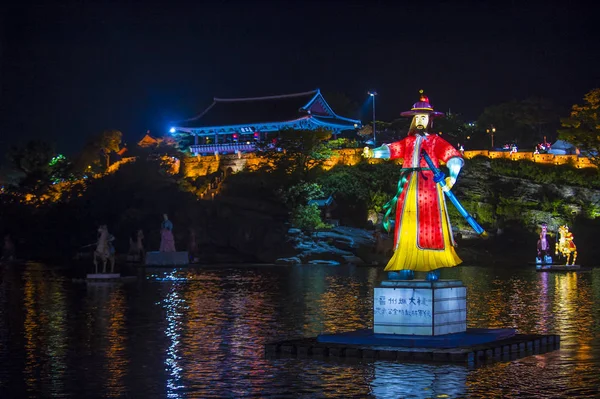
565, 245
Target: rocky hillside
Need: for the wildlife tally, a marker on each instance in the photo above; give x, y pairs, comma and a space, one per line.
510, 208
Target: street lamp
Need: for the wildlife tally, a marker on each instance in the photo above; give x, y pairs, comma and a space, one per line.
373, 94
491, 133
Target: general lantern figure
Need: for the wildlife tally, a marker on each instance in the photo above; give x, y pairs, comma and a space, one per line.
423, 239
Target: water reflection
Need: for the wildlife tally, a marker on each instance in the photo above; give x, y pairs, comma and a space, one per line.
173, 305
44, 331
201, 332
393, 380
106, 305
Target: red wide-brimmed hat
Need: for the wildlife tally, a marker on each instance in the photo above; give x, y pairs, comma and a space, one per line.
422, 107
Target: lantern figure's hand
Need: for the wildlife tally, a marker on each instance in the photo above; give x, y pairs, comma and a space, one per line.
367, 152
454, 166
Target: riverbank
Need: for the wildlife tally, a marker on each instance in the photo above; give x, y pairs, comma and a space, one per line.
348, 245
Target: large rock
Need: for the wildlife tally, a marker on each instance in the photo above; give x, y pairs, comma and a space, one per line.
321, 251
254, 230
294, 260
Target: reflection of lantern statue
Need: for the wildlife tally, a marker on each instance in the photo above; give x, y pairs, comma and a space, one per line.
439, 381
8, 251
543, 247
423, 238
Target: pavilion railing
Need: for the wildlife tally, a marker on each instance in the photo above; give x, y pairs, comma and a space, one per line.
229, 148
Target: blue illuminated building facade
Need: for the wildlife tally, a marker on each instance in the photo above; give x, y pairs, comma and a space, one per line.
231, 125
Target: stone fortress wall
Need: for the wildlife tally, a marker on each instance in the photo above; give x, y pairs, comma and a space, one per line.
231, 163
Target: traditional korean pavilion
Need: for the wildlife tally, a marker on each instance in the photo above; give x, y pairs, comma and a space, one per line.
235, 124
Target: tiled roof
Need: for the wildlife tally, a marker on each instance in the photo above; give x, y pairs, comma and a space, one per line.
337, 121
148, 140
256, 110
322, 201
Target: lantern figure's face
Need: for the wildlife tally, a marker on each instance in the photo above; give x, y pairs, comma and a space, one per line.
544, 229
421, 121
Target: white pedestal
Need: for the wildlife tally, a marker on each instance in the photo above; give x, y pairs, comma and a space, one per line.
419, 307
157, 258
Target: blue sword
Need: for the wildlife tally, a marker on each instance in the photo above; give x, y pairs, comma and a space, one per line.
440, 178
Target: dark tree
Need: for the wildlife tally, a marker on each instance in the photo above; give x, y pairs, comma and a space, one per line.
33, 161
95, 155
582, 127
295, 153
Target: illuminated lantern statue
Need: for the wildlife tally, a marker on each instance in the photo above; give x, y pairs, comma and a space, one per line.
423, 239
565, 246
543, 247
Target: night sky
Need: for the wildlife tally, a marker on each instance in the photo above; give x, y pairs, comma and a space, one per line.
73, 69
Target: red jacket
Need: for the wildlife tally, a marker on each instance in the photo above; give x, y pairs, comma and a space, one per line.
429, 207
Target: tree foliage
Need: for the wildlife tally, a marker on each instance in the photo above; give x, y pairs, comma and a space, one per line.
60, 169
183, 141
360, 189
521, 122
541, 173
301, 193
297, 152
540, 116
95, 155
455, 130
33, 161
307, 218
366, 132
582, 127
34, 156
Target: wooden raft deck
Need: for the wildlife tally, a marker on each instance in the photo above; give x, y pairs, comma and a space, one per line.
561, 268
518, 346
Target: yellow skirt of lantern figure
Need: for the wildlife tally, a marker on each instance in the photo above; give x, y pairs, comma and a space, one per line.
407, 254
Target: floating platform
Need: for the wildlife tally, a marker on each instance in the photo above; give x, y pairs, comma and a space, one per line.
472, 347
169, 259
104, 278
560, 268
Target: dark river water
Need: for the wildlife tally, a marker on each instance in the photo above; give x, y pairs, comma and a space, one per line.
200, 333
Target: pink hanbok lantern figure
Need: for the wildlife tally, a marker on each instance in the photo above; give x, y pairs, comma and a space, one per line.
543, 247
167, 241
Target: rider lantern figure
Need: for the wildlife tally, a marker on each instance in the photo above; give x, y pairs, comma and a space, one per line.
543, 247
565, 246
423, 239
